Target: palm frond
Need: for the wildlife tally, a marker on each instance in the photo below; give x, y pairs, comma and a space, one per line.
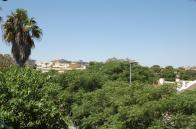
20, 30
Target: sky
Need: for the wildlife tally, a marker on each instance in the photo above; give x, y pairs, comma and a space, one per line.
151, 32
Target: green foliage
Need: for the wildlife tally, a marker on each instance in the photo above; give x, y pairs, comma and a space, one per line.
108, 107
118, 69
168, 73
28, 100
81, 80
143, 74
187, 74
99, 97
156, 68
119, 106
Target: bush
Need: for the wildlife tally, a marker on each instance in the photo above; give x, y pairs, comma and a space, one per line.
29, 100
118, 106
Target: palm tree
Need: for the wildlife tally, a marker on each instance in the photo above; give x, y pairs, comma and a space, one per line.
20, 31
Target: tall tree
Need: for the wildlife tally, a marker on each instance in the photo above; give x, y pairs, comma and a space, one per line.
168, 73
20, 31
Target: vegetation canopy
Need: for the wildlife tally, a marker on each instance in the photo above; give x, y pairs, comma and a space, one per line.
91, 99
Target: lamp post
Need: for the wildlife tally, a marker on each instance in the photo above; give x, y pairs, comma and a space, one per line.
130, 77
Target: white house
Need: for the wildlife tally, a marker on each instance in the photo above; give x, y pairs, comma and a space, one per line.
59, 65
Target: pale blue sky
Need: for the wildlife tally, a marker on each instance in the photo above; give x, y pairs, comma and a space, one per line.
150, 31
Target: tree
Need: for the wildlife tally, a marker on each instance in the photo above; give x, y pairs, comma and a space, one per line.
117, 69
156, 68
20, 31
80, 80
168, 73
118, 106
29, 100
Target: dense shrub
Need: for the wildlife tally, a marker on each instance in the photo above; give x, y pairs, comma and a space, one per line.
81, 80
98, 109
29, 100
119, 106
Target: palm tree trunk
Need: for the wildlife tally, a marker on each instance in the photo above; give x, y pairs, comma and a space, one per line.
20, 64
16, 55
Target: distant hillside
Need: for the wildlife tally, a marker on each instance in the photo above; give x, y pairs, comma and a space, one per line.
61, 61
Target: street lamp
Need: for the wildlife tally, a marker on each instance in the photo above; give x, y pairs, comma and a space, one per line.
130, 62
